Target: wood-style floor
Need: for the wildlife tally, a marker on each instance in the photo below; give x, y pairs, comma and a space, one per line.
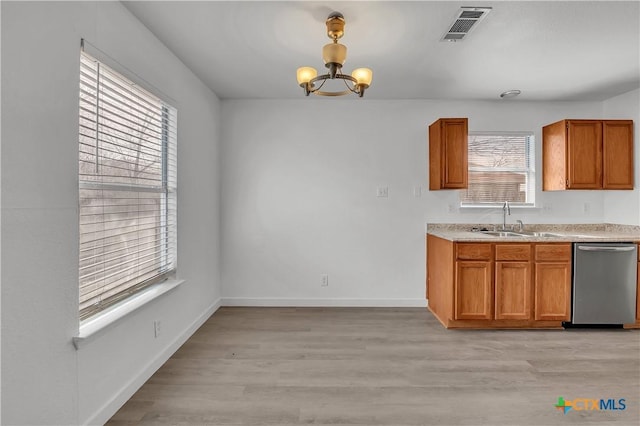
371, 366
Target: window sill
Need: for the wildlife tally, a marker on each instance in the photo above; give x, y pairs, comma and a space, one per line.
93, 326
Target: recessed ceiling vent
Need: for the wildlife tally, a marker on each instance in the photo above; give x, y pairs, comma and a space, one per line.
466, 20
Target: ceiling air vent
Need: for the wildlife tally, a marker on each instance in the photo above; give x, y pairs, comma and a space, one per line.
465, 21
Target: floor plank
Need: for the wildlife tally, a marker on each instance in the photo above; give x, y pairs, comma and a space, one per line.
384, 366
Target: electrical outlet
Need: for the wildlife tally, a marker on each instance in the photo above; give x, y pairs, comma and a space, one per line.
324, 280
382, 191
452, 208
587, 207
156, 328
417, 191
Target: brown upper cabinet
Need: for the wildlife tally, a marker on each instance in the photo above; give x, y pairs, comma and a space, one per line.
587, 154
448, 153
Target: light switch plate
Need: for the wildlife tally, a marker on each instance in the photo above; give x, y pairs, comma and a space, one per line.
382, 191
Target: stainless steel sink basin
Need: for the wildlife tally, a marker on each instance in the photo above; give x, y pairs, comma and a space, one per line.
541, 234
538, 234
523, 234
503, 234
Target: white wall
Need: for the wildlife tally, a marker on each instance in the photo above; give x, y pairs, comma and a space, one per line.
299, 195
624, 206
44, 379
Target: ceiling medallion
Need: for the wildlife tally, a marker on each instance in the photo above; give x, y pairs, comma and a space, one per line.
334, 55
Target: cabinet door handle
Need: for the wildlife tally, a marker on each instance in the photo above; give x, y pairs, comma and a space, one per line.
594, 248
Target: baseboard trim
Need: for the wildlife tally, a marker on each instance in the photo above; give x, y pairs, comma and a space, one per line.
118, 400
292, 302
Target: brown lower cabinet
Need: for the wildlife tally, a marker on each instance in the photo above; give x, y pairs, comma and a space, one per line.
473, 290
552, 282
513, 274
499, 285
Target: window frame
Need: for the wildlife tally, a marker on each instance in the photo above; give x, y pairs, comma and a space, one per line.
530, 172
165, 260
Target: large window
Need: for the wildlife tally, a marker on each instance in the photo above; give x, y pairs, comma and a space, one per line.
501, 168
127, 187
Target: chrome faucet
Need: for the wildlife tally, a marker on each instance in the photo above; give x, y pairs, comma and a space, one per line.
520, 225
506, 210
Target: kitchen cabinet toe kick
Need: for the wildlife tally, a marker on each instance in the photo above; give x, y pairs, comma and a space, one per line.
497, 324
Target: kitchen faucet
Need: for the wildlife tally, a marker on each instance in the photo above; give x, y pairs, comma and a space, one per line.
506, 210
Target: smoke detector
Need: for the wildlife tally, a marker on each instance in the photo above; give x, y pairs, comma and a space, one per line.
466, 20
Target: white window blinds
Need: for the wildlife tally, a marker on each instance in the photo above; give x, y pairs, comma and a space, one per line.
127, 187
501, 168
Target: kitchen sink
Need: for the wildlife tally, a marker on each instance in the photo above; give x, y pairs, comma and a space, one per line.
525, 234
504, 234
541, 234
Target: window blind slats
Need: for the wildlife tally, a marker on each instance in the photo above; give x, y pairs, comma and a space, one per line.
142, 245
112, 111
123, 283
89, 251
500, 169
118, 268
114, 141
117, 292
138, 97
95, 238
127, 176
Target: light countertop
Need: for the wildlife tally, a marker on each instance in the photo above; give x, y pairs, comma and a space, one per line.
604, 232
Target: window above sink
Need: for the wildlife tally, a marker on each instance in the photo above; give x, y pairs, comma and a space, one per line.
501, 168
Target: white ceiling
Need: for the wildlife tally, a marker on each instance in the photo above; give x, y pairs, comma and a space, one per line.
556, 50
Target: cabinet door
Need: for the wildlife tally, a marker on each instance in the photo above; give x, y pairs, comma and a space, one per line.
513, 290
473, 290
617, 154
584, 154
554, 156
552, 287
454, 159
448, 153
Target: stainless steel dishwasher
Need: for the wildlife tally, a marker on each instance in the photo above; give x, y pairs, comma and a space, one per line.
604, 283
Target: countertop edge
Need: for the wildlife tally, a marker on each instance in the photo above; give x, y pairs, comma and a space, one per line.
589, 233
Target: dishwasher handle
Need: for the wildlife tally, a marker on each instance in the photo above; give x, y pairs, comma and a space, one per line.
606, 248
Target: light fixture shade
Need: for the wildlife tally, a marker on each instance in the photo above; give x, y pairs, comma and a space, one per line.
305, 74
363, 76
334, 53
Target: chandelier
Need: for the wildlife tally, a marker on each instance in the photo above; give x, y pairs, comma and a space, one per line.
334, 55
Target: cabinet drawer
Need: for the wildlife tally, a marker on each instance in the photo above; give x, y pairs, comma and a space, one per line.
558, 252
513, 252
473, 251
